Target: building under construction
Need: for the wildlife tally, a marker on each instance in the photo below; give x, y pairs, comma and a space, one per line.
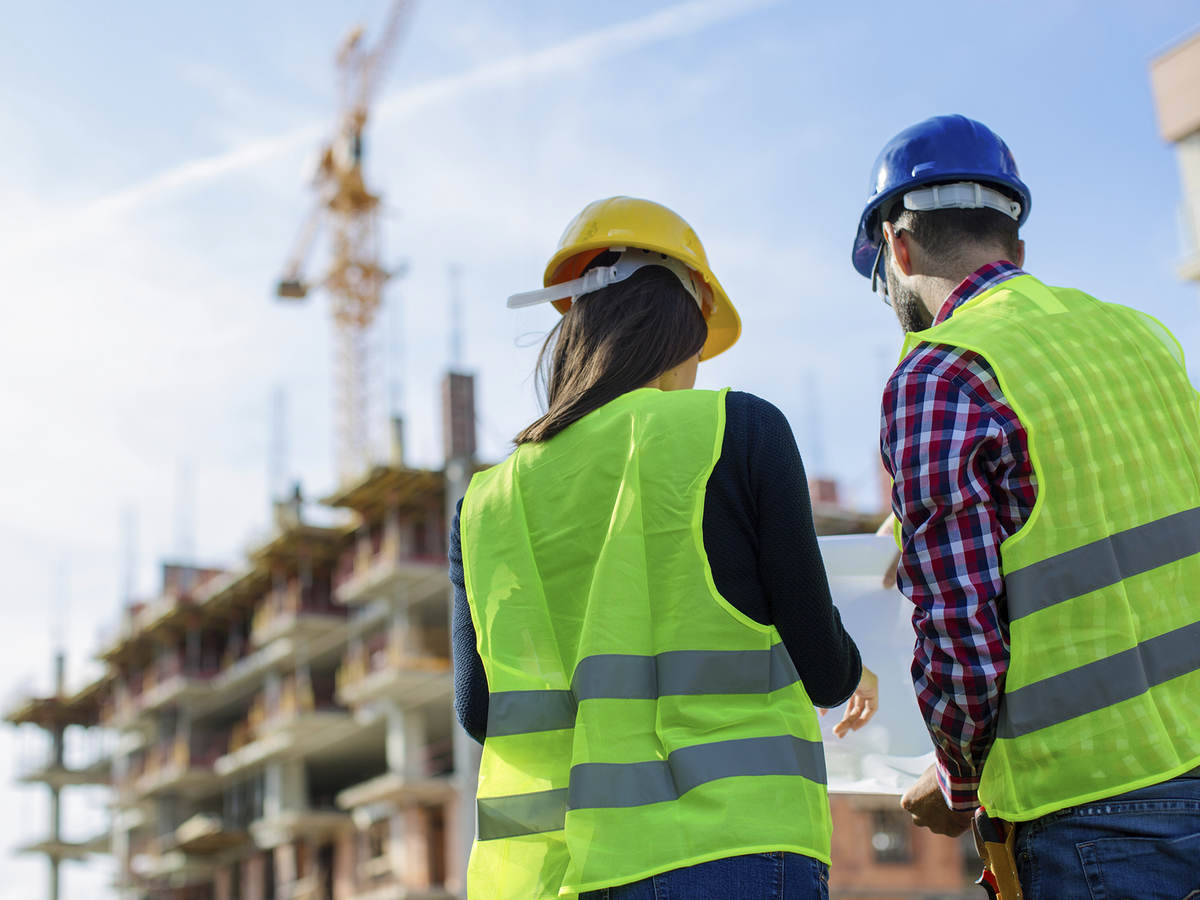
285, 729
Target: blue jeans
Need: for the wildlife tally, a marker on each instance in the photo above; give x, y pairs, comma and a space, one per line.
758, 876
1143, 845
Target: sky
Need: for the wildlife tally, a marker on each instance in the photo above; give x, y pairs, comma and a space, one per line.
154, 173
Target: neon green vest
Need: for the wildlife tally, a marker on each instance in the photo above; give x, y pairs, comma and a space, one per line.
637, 722
1102, 583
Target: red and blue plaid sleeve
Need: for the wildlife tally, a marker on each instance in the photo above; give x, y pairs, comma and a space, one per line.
963, 482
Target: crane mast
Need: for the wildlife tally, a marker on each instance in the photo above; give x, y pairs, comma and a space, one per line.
349, 210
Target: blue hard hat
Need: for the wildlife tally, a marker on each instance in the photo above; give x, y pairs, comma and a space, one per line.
938, 150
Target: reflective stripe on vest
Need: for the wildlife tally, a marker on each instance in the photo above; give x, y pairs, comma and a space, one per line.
1100, 684
615, 785
637, 722
622, 677
1102, 563
1102, 583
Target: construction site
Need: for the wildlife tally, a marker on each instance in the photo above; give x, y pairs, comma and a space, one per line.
285, 730
283, 726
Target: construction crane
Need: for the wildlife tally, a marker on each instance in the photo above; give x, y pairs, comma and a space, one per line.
350, 211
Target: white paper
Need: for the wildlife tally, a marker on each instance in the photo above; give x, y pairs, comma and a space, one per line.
887, 754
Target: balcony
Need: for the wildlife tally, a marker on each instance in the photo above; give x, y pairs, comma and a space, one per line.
295, 723
296, 614
181, 869
384, 568
171, 681
249, 666
59, 849
97, 772
411, 666
399, 789
179, 768
397, 891
207, 834
431, 782
99, 842
125, 705
298, 824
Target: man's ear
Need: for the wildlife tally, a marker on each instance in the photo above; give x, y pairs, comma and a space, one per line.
1020, 260
901, 250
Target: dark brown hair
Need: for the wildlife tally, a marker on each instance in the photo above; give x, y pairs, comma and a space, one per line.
944, 233
613, 341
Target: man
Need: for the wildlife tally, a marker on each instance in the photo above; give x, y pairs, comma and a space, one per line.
1045, 452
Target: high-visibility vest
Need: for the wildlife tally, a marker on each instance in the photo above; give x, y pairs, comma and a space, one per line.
1102, 583
637, 721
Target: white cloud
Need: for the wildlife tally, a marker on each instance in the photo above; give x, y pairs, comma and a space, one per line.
575, 53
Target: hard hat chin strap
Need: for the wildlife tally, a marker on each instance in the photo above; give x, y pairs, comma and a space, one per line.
961, 195
631, 260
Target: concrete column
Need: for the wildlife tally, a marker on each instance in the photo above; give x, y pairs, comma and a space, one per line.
391, 532
191, 657
272, 691
222, 883
285, 788
56, 753
120, 844
401, 631
287, 866
397, 848
460, 821
406, 741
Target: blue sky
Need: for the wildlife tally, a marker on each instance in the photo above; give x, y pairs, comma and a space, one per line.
155, 162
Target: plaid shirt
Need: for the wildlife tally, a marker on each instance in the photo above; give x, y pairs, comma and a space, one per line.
963, 482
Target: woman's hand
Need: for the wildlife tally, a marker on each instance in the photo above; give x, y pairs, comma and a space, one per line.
864, 703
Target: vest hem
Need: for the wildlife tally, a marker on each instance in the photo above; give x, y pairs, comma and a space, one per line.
568, 890
1055, 806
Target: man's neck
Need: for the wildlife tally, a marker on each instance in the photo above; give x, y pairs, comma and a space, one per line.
936, 289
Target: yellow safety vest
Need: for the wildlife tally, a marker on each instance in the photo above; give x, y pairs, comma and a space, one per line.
637, 722
1102, 583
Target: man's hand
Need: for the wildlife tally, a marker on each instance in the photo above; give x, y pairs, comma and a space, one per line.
887, 529
862, 706
924, 801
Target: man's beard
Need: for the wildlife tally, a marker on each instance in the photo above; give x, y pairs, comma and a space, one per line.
910, 310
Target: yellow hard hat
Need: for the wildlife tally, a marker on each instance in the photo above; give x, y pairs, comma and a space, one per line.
621, 222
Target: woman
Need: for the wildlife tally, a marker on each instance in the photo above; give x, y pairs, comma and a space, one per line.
642, 622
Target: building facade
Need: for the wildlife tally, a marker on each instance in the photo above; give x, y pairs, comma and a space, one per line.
1175, 78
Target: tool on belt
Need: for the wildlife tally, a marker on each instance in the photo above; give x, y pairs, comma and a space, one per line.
995, 838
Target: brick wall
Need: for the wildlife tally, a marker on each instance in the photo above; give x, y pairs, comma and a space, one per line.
878, 854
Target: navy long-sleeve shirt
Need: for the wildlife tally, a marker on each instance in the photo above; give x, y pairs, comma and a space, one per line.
761, 547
